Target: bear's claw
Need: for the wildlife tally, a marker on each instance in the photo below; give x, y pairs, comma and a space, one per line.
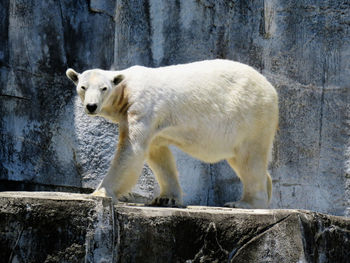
165, 202
238, 204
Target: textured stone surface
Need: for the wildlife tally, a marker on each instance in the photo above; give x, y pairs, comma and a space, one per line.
201, 234
38, 131
300, 46
57, 227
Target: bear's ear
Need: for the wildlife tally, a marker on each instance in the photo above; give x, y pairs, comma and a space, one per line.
72, 75
117, 79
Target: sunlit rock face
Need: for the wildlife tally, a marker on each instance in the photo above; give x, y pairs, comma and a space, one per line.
61, 227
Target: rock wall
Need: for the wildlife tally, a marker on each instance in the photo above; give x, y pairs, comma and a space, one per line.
301, 47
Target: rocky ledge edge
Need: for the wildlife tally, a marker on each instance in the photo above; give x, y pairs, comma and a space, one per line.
66, 227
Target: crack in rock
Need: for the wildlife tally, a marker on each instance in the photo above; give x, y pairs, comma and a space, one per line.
99, 11
14, 97
250, 239
211, 251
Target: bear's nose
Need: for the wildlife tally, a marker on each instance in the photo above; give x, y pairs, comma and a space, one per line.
91, 107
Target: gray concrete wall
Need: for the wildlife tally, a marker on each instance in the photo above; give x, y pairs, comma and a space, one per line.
302, 47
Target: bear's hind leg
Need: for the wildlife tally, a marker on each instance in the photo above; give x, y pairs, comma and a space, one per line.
162, 162
257, 185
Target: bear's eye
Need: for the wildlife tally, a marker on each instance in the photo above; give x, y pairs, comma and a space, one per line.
104, 88
83, 87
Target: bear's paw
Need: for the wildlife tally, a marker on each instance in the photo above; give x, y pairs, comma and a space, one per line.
238, 204
166, 202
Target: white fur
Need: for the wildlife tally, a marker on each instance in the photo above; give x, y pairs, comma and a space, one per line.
212, 110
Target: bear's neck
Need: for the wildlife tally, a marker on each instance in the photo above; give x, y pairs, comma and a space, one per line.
117, 104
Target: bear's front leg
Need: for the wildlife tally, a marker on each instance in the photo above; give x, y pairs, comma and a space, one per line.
162, 163
127, 164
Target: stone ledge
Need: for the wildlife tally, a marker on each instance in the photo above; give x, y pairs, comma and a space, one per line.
62, 227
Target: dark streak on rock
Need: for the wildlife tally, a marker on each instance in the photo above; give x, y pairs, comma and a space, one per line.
14, 97
249, 239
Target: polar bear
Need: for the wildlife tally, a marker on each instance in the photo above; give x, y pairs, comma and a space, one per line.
213, 110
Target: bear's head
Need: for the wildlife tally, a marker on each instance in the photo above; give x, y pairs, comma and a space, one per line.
94, 87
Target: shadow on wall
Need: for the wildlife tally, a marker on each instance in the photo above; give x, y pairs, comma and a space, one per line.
38, 110
300, 47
